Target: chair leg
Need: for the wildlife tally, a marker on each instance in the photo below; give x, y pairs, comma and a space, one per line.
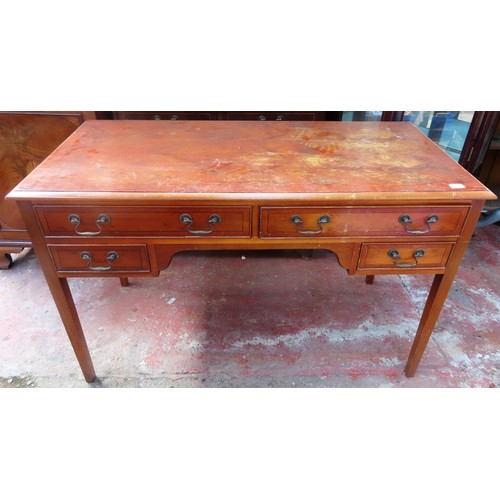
369, 279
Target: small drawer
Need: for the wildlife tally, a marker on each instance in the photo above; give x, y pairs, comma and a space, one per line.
204, 221
404, 256
293, 222
107, 259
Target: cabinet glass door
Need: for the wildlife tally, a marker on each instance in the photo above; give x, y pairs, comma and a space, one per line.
448, 129
361, 116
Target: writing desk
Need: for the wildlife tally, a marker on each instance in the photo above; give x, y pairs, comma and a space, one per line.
120, 198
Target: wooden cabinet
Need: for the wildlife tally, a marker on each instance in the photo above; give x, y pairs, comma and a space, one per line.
165, 115
273, 115
489, 172
26, 139
220, 115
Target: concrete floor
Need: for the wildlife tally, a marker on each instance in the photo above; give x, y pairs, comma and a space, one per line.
255, 319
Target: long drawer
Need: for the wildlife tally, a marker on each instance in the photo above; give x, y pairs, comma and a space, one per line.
293, 222
404, 256
106, 259
185, 221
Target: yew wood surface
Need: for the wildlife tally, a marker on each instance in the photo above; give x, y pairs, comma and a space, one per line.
256, 160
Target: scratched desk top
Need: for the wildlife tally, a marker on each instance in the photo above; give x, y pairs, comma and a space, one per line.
231, 160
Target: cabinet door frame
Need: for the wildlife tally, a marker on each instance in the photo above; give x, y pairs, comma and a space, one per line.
478, 139
477, 142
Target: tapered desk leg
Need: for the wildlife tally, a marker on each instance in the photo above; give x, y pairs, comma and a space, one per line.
369, 279
439, 291
437, 295
60, 292
124, 281
67, 310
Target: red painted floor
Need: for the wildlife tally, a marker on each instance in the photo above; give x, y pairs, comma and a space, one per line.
255, 319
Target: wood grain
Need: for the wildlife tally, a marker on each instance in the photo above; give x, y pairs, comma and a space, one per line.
218, 160
26, 139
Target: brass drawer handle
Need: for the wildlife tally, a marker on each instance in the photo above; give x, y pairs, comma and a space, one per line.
406, 221
262, 118
156, 117
101, 219
297, 220
394, 254
280, 118
110, 258
213, 220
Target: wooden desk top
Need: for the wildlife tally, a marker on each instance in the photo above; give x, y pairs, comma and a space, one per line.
251, 160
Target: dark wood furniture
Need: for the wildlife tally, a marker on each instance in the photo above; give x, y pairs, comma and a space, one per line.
272, 115
382, 196
165, 115
26, 138
480, 157
489, 175
220, 115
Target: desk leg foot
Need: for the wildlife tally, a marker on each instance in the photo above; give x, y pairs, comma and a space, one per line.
124, 281
437, 295
307, 254
67, 310
369, 279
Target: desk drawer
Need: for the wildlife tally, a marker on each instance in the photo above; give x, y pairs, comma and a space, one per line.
186, 221
404, 256
293, 222
107, 259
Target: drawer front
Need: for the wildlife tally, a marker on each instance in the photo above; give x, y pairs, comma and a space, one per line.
145, 221
404, 256
275, 115
293, 222
107, 259
165, 115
